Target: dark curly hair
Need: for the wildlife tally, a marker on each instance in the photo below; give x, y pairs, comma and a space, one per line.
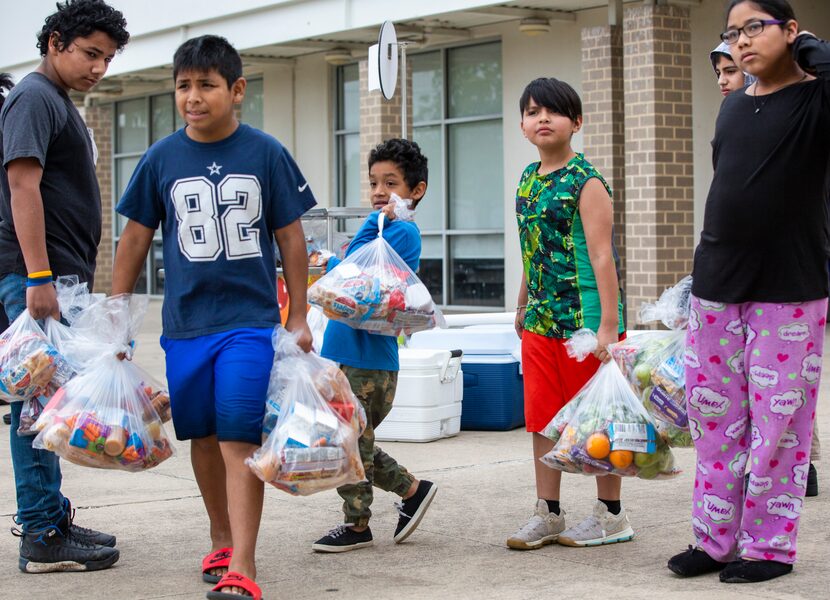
80, 18
206, 53
5, 86
406, 154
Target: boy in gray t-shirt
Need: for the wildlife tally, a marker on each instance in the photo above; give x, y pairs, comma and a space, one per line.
50, 225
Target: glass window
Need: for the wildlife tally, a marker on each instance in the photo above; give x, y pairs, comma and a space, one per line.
348, 114
474, 80
131, 126
457, 108
430, 215
477, 266
162, 117
124, 168
253, 105
476, 175
427, 86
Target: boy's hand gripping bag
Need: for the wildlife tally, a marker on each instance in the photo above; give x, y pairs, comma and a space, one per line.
104, 417
312, 422
373, 289
609, 432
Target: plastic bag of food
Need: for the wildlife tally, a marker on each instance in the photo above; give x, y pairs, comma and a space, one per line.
672, 309
373, 289
653, 364
104, 417
312, 422
609, 432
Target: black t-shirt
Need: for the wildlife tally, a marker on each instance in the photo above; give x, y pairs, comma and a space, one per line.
765, 236
38, 120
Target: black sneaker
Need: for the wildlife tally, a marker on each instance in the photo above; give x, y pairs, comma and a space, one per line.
753, 571
342, 539
694, 562
812, 481
413, 509
83, 534
48, 550
7, 418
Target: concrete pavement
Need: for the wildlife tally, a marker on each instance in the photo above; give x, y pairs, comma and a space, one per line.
485, 491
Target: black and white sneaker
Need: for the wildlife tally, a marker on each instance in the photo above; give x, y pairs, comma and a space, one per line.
49, 550
83, 534
413, 509
342, 539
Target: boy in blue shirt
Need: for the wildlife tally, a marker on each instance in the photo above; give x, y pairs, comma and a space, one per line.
222, 192
370, 361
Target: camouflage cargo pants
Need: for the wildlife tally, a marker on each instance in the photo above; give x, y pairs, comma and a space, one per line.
376, 390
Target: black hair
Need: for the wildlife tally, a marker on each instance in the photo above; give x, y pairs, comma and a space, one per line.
80, 18
5, 85
554, 95
778, 9
208, 52
406, 155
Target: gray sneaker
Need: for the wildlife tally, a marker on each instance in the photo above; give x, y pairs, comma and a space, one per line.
602, 527
543, 528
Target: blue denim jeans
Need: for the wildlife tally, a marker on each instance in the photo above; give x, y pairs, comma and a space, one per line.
37, 473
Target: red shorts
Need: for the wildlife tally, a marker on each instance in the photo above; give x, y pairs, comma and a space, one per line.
551, 377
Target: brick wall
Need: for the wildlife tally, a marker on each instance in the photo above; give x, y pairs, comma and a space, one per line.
604, 117
380, 119
658, 150
99, 119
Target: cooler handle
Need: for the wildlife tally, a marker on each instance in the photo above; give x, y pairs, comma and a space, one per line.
449, 373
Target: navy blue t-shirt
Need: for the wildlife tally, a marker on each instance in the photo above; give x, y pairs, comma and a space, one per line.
218, 205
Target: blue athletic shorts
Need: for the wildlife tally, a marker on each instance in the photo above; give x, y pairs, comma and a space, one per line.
218, 384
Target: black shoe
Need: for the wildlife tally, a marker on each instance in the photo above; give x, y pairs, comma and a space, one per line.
342, 539
7, 418
412, 510
694, 562
82, 534
753, 571
812, 482
48, 550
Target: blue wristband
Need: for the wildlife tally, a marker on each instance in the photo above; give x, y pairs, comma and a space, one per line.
37, 281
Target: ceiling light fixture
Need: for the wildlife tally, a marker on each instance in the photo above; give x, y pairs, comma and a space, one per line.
534, 26
338, 56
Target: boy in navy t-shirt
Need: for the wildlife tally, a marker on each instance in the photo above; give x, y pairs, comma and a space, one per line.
222, 193
370, 361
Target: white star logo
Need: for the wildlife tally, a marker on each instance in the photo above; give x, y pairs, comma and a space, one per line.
214, 169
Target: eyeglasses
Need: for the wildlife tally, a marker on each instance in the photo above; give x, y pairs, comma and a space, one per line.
751, 29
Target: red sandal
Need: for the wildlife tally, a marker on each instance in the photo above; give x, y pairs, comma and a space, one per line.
221, 559
234, 579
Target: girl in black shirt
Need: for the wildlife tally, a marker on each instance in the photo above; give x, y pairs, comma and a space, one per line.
756, 331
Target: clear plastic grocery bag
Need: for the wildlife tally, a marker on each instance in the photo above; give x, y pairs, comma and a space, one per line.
652, 362
373, 289
313, 422
105, 417
609, 432
672, 308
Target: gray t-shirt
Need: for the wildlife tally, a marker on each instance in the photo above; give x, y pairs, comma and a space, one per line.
38, 120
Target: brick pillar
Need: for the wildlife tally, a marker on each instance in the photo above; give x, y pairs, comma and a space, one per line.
99, 119
380, 119
603, 110
658, 150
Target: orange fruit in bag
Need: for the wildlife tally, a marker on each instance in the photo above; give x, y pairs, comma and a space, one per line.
621, 458
598, 445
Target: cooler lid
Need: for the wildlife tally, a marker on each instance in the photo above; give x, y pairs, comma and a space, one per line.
476, 339
422, 358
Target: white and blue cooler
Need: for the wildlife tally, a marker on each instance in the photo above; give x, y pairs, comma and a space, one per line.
427, 402
493, 386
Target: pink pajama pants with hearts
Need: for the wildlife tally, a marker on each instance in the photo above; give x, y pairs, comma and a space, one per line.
752, 378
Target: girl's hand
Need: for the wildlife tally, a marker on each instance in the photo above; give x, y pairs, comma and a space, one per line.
298, 324
519, 323
606, 335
